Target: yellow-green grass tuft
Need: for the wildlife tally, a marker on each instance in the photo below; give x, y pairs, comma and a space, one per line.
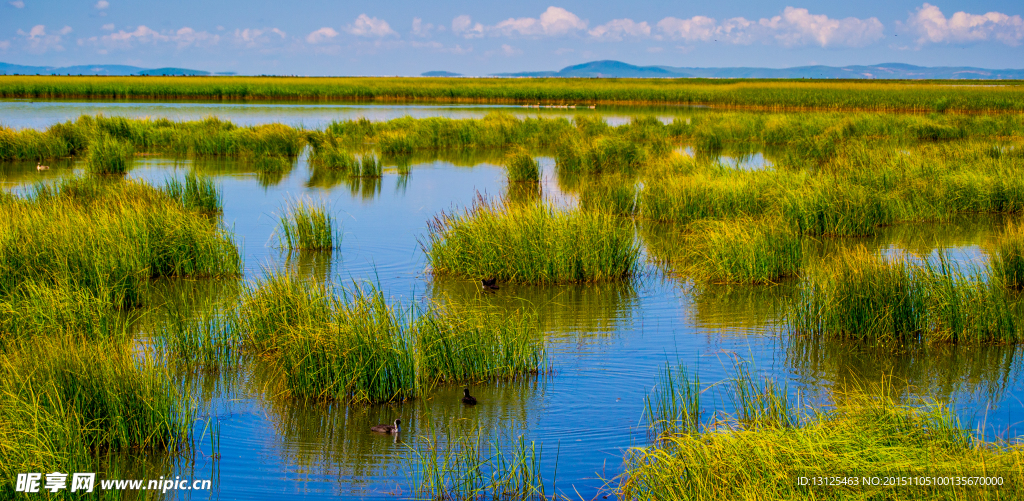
533, 243
308, 226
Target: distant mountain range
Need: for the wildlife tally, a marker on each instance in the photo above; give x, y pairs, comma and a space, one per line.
100, 69
618, 69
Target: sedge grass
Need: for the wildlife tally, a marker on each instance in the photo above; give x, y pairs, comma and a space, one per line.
351, 344
894, 302
761, 450
531, 244
109, 155
107, 238
464, 467
764, 94
459, 344
62, 403
743, 251
1008, 261
195, 193
521, 167
308, 226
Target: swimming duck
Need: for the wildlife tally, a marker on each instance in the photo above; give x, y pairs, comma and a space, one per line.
467, 398
42, 167
489, 284
387, 428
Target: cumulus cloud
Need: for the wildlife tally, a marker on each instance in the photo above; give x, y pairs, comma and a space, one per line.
253, 37
366, 26
421, 29
37, 40
4, 45
555, 21
464, 26
321, 35
932, 26
509, 50
102, 4
620, 28
17, 4
143, 35
108, 27
795, 27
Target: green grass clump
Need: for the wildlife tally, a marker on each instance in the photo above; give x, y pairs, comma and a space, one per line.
353, 345
63, 403
457, 344
108, 155
895, 302
462, 466
767, 444
308, 226
196, 193
531, 244
107, 237
1008, 261
743, 251
521, 166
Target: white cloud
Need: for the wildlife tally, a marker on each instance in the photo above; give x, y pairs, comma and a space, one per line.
17, 4
102, 4
555, 21
321, 35
795, 27
38, 41
252, 37
421, 29
619, 28
509, 50
366, 26
182, 38
464, 26
4, 45
932, 26
108, 27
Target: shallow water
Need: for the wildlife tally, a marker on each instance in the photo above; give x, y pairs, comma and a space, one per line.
24, 113
606, 342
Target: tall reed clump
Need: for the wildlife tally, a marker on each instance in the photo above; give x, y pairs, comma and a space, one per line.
743, 251
308, 226
107, 238
63, 402
195, 193
895, 302
109, 155
531, 244
462, 467
353, 345
763, 449
458, 344
521, 166
1008, 261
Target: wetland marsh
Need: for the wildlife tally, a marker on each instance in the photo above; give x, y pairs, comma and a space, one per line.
282, 286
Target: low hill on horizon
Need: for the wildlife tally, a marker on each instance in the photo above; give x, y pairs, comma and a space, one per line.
900, 71
100, 69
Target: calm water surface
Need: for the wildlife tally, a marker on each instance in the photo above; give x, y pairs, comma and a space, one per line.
606, 342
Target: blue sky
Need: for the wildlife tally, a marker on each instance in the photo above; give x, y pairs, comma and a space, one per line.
320, 37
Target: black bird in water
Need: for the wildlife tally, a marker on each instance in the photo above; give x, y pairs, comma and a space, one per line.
489, 284
467, 398
387, 428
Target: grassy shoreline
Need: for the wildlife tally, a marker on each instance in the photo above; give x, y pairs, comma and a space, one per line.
755, 94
